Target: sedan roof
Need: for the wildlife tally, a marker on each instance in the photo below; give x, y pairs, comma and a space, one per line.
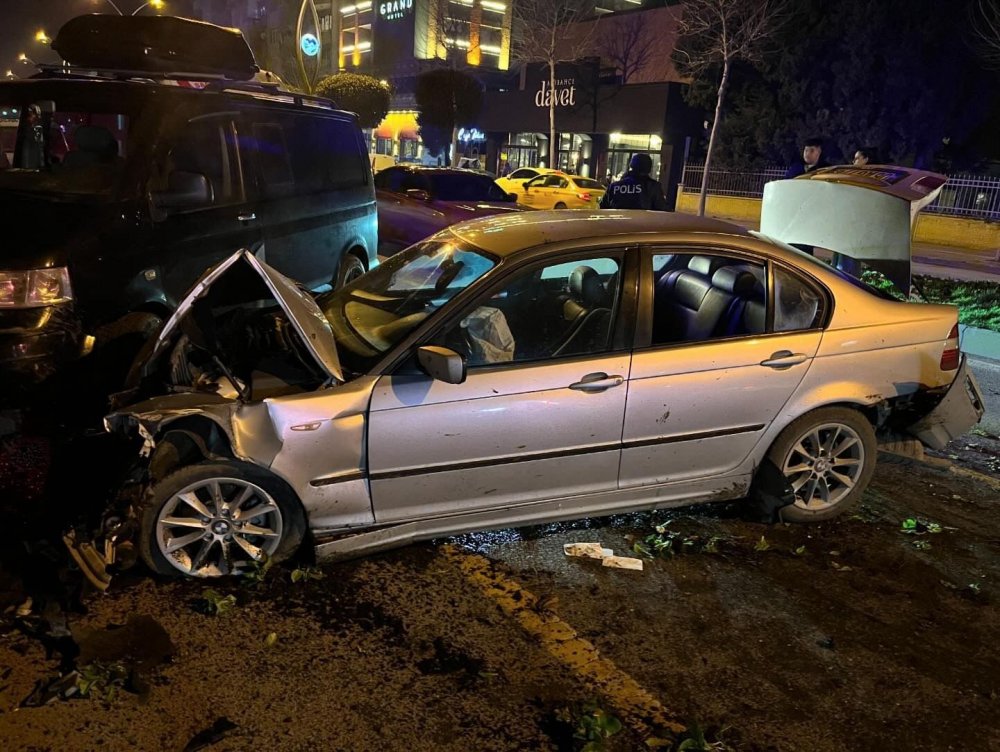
507, 234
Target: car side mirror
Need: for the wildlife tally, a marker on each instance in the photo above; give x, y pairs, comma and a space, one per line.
442, 364
418, 194
512, 198
185, 190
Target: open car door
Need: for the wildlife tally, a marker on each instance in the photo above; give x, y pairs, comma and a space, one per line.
867, 213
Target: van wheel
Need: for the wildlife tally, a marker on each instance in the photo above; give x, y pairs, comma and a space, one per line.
350, 269
219, 518
828, 457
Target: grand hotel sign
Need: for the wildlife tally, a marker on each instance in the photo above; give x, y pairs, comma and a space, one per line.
393, 10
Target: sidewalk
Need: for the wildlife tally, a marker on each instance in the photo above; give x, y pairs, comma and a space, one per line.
948, 262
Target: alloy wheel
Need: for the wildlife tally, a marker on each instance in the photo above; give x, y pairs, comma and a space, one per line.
219, 526
824, 465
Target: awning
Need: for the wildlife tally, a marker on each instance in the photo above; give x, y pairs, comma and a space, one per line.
384, 131
409, 134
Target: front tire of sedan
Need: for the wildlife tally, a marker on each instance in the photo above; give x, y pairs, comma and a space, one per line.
828, 457
219, 518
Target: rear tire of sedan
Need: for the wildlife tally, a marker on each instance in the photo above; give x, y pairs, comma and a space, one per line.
828, 457
219, 518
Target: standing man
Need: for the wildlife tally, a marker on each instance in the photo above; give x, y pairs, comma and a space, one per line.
636, 190
812, 159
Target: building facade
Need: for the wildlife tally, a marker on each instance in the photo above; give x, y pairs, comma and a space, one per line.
622, 98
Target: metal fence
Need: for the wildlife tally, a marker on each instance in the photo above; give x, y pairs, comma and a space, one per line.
975, 196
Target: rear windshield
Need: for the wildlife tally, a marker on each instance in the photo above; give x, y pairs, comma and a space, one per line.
587, 183
70, 146
465, 187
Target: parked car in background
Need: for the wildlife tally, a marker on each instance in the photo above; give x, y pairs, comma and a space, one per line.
161, 180
514, 182
415, 202
524, 369
557, 191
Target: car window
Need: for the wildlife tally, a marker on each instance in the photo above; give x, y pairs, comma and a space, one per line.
699, 297
299, 155
797, 305
554, 311
522, 174
587, 183
70, 147
390, 179
464, 186
381, 308
537, 182
270, 147
205, 146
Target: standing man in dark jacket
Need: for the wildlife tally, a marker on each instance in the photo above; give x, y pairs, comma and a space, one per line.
636, 190
812, 159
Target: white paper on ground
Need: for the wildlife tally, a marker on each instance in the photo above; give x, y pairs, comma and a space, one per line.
622, 562
587, 550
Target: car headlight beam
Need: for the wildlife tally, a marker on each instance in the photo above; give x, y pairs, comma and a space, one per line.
35, 288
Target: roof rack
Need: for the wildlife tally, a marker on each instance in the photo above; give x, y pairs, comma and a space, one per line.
212, 81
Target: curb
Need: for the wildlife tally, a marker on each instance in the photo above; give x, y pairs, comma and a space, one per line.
981, 343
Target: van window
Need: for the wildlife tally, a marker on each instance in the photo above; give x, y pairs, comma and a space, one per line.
61, 147
299, 155
207, 146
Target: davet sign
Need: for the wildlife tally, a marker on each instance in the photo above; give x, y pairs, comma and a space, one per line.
563, 95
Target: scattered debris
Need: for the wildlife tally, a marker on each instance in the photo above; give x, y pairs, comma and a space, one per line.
840, 567
826, 643
622, 562
762, 545
214, 603
593, 725
306, 573
919, 526
219, 730
271, 639
587, 550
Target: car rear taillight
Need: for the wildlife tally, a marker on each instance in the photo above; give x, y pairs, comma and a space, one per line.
583, 196
951, 354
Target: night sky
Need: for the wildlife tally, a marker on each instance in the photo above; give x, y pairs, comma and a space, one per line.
20, 19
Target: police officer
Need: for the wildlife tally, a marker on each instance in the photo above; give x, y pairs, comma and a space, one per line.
636, 190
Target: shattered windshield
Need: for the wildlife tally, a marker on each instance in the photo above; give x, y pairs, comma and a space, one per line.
377, 311
60, 147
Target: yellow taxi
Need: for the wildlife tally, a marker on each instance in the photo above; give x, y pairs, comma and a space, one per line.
514, 183
561, 191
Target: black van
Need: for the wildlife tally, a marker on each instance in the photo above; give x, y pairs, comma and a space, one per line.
120, 186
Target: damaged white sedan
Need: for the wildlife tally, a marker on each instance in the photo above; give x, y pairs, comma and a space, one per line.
524, 369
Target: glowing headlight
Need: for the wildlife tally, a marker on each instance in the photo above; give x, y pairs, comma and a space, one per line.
38, 287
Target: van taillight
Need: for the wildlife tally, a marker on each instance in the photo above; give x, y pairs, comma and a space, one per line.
951, 354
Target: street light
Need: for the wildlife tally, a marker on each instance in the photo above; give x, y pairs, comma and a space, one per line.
41, 37
10, 74
154, 4
22, 58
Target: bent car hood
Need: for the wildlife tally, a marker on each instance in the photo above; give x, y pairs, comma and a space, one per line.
301, 309
867, 213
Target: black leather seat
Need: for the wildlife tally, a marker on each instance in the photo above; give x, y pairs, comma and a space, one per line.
586, 312
94, 145
687, 306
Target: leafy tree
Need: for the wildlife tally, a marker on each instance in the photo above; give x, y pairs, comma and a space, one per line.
358, 93
447, 100
900, 76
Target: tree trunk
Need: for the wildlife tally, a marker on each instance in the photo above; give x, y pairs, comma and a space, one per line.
711, 139
553, 146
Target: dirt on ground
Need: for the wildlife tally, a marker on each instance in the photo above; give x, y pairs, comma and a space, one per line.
877, 631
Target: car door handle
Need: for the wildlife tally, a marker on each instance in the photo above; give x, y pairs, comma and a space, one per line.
251, 217
784, 359
597, 382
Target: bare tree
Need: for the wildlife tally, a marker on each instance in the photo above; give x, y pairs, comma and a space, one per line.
717, 33
540, 36
628, 43
986, 30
